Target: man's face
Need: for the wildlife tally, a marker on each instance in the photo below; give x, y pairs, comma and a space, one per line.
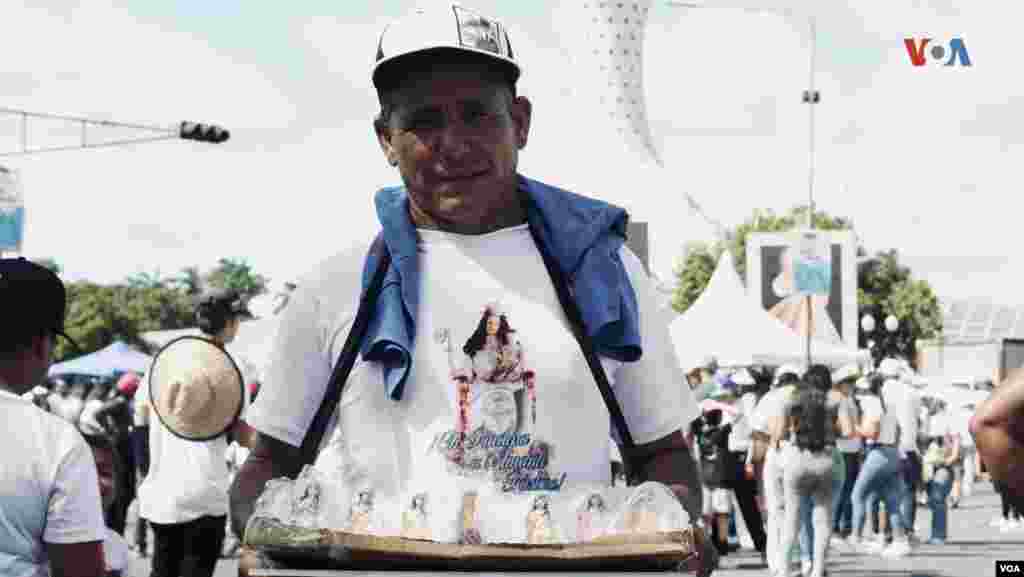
455, 139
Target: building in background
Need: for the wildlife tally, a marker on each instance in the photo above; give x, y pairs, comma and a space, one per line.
12, 212
980, 341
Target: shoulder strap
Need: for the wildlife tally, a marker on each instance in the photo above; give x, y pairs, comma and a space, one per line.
356, 334
584, 340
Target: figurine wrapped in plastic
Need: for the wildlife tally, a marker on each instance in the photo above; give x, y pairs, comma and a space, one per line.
415, 521
361, 516
275, 502
540, 528
306, 495
592, 518
470, 520
652, 508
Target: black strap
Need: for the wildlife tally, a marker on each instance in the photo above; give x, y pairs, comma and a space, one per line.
356, 335
586, 343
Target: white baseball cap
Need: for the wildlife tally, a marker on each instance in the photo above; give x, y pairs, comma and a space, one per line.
444, 27
788, 370
890, 367
846, 372
743, 378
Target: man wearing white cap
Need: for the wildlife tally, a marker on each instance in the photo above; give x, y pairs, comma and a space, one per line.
851, 448
767, 418
464, 230
740, 442
905, 402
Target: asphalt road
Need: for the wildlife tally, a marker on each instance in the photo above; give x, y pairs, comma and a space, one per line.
972, 550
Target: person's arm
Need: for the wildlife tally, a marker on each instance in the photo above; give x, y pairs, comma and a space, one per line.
268, 459
76, 559
669, 461
74, 533
998, 429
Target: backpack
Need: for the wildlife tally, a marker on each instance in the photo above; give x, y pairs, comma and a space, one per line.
815, 426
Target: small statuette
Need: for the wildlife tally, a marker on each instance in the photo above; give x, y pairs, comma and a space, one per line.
540, 528
591, 519
306, 503
275, 501
362, 512
415, 522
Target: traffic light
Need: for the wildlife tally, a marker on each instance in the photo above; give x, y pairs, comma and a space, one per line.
203, 132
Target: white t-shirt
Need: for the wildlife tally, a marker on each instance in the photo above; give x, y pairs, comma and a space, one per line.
531, 391
186, 479
961, 421
888, 425
49, 491
739, 438
904, 403
771, 405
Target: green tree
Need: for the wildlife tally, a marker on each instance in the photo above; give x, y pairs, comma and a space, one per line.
237, 274
144, 279
98, 315
693, 273
190, 281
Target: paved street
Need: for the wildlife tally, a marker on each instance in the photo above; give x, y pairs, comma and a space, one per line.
973, 548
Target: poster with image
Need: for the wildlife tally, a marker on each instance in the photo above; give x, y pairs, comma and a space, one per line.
808, 284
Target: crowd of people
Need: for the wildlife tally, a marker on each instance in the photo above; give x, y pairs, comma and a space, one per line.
810, 457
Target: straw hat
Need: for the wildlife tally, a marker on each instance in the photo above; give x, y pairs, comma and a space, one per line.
197, 388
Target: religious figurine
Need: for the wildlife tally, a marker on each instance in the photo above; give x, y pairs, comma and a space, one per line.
306, 504
362, 511
641, 514
470, 521
275, 500
540, 528
590, 520
415, 522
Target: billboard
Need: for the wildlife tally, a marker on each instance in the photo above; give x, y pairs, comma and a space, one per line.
789, 271
12, 212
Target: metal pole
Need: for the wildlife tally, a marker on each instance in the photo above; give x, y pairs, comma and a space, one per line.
811, 98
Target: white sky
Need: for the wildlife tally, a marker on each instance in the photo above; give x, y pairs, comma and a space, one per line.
925, 160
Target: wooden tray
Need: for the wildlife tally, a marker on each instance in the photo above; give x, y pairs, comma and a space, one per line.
291, 547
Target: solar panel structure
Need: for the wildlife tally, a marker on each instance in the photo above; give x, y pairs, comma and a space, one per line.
973, 320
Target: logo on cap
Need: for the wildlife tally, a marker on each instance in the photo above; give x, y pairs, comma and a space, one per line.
480, 33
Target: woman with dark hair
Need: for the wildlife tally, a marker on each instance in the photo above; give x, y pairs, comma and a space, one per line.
493, 385
814, 418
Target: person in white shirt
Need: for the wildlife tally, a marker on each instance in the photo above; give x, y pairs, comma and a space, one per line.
765, 423
51, 520
184, 496
881, 471
740, 441
474, 247
938, 461
965, 470
852, 449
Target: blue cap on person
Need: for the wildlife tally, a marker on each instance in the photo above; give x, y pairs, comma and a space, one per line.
443, 26
33, 300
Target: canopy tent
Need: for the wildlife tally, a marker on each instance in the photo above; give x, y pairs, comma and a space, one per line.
725, 324
250, 349
106, 362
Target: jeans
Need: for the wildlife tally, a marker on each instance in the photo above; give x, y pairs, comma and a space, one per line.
188, 549
939, 487
809, 474
881, 473
774, 502
807, 521
842, 507
911, 466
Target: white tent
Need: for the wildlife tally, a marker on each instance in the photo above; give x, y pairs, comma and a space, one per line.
725, 324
